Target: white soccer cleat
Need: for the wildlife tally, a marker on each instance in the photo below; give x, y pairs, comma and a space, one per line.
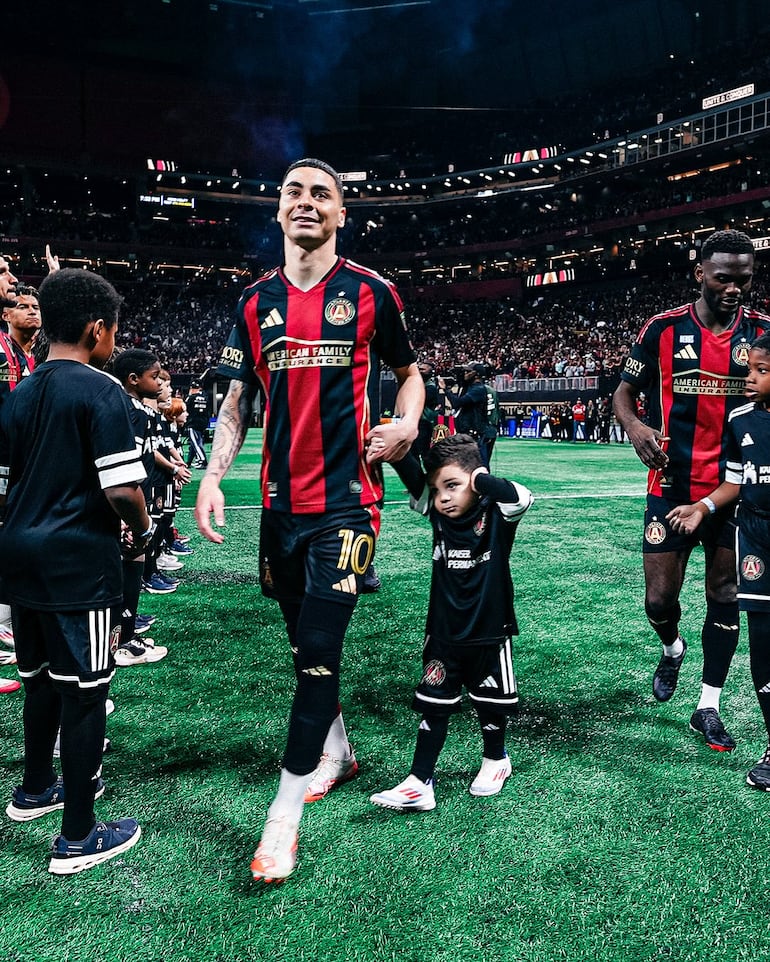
411, 795
331, 773
276, 854
491, 777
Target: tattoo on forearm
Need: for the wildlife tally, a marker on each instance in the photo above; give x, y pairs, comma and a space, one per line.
232, 424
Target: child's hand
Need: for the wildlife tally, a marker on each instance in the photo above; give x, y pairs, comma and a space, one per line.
475, 474
685, 518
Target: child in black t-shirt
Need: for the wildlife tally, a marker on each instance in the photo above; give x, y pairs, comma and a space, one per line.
69, 473
470, 613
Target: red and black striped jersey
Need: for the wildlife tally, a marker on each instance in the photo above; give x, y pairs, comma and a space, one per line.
316, 355
15, 364
693, 379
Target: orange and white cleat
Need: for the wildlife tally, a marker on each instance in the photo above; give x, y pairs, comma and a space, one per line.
330, 774
276, 854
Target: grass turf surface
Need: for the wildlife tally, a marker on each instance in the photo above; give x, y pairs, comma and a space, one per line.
620, 836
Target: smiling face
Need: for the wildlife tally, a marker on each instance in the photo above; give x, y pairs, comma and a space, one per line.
310, 209
453, 494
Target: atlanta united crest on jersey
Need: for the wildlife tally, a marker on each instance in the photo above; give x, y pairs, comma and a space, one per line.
316, 355
693, 378
748, 464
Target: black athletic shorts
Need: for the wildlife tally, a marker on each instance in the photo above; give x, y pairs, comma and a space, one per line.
753, 558
323, 555
77, 647
485, 671
716, 530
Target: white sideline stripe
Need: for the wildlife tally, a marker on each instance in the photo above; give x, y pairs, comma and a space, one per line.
538, 497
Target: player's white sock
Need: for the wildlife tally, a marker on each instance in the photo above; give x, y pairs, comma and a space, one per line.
674, 650
709, 697
290, 797
336, 744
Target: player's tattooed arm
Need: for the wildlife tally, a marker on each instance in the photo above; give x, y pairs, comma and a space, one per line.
232, 424
647, 441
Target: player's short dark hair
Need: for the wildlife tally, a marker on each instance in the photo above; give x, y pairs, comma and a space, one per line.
71, 298
133, 361
762, 343
26, 290
459, 449
726, 242
319, 165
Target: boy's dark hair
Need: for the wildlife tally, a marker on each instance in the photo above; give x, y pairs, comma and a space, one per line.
726, 242
458, 449
133, 361
71, 298
319, 165
762, 343
26, 290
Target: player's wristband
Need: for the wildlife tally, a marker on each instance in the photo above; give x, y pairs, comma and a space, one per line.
709, 504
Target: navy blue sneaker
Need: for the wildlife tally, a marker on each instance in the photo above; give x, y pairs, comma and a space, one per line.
167, 578
103, 842
155, 586
180, 547
24, 806
143, 623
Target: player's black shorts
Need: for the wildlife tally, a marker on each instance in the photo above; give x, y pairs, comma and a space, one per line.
753, 558
77, 647
156, 502
716, 530
485, 671
323, 555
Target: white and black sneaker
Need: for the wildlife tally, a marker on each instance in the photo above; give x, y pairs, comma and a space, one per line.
139, 651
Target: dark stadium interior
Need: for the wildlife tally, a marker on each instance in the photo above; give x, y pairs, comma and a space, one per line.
498, 148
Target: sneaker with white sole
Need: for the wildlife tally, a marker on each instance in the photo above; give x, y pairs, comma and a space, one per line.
103, 842
25, 806
411, 795
6, 636
155, 586
491, 777
139, 651
276, 854
169, 562
330, 774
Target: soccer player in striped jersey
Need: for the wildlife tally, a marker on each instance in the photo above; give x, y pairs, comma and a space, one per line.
61, 562
471, 618
311, 335
691, 363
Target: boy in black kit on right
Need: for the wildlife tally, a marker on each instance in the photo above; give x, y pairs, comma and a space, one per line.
471, 619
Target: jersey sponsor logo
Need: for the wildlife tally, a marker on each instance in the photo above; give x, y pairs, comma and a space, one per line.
347, 586
686, 338
273, 319
633, 367
741, 354
702, 382
434, 674
339, 311
232, 356
687, 354
655, 532
750, 473
746, 440
272, 489
752, 567
297, 354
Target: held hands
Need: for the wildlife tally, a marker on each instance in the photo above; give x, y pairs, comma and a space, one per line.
389, 442
685, 518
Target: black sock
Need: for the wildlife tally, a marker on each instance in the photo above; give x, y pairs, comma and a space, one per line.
42, 715
83, 725
431, 736
493, 728
720, 639
132, 583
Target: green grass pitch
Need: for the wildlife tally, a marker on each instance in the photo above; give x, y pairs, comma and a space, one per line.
620, 836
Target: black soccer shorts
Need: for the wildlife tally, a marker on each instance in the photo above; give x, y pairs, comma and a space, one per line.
323, 555
753, 554
77, 647
716, 530
485, 671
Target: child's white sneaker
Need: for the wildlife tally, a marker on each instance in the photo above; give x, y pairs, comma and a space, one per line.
409, 795
491, 776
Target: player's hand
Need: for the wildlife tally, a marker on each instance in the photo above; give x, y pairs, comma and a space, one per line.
648, 444
210, 501
389, 442
685, 518
52, 260
183, 473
